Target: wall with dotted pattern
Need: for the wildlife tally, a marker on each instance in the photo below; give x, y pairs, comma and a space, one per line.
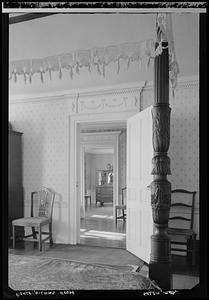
46, 141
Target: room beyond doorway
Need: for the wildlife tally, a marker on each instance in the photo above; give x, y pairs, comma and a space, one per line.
102, 183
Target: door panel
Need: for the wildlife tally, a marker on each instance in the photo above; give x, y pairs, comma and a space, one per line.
139, 164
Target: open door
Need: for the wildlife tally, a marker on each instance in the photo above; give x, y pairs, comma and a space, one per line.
139, 163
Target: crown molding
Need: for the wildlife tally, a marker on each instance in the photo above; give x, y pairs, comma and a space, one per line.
121, 89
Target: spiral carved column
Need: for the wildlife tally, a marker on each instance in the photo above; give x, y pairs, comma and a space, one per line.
160, 258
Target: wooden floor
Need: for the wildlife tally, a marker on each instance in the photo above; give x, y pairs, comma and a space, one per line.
104, 242
98, 228
184, 275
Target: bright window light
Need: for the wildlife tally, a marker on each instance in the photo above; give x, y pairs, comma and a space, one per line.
102, 216
104, 234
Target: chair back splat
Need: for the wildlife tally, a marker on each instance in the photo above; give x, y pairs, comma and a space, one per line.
181, 221
46, 201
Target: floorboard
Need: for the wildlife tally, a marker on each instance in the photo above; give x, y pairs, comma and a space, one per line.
98, 228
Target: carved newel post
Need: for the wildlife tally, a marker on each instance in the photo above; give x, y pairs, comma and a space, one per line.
160, 259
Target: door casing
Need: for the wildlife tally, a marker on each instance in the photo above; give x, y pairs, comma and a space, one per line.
74, 156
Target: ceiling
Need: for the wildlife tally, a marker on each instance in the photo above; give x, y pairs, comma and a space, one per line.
61, 33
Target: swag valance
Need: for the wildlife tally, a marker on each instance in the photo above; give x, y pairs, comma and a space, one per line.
97, 58
100, 58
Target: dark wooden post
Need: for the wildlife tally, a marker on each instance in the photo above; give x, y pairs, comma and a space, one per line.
160, 259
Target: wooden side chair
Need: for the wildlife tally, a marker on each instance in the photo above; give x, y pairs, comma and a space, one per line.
43, 216
181, 221
121, 208
87, 199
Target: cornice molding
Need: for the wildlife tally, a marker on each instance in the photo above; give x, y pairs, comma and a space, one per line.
72, 95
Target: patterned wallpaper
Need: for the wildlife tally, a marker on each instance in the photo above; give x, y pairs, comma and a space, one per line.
184, 145
45, 154
184, 139
46, 140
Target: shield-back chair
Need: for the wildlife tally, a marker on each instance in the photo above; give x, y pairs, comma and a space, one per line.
39, 217
181, 222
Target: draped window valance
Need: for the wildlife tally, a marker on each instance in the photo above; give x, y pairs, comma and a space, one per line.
99, 58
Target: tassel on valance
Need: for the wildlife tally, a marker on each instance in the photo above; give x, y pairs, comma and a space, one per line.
99, 58
51, 64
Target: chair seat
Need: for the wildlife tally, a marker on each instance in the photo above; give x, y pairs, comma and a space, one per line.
31, 221
179, 231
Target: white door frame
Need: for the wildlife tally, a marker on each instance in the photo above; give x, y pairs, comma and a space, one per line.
73, 188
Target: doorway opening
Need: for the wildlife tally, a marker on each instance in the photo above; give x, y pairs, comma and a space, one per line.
138, 175
102, 176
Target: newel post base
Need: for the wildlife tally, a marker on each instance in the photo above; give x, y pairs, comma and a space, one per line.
164, 275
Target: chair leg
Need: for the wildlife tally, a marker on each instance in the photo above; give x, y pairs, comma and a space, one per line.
123, 215
34, 233
13, 236
193, 250
40, 239
50, 234
116, 216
